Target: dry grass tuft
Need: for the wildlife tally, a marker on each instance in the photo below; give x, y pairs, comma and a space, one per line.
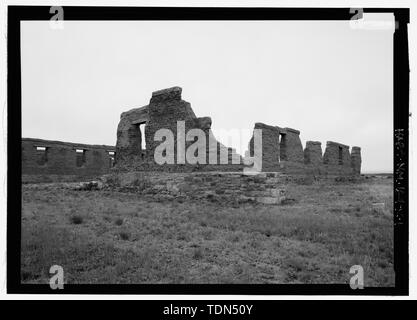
315, 239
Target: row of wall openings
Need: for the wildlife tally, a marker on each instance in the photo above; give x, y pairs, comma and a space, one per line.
42, 155
80, 157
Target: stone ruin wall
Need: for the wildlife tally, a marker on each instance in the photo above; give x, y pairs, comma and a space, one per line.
164, 110
224, 187
282, 150
288, 156
46, 157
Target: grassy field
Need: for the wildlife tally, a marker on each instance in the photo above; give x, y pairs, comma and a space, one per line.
112, 237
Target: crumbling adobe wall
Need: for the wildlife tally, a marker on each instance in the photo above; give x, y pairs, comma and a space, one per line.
164, 111
313, 153
336, 159
293, 146
292, 158
282, 151
60, 158
356, 160
265, 188
129, 135
313, 157
270, 146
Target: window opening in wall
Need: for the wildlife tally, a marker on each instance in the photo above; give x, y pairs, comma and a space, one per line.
340, 155
42, 155
112, 156
80, 160
142, 135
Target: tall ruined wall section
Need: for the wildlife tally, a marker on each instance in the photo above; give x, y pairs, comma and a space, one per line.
313, 154
129, 136
45, 157
292, 159
165, 110
270, 146
336, 159
266, 188
282, 151
356, 160
170, 121
193, 148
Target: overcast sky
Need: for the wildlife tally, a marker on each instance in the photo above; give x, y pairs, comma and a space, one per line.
325, 79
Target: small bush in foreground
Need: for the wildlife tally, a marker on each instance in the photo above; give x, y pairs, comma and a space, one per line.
124, 235
76, 219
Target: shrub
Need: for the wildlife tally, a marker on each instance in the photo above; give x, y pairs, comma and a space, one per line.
76, 219
142, 185
197, 254
119, 221
124, 235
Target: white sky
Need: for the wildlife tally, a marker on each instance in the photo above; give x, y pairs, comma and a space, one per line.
325, 79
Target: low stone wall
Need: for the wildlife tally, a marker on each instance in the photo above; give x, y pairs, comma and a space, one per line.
52, 178
266, 187
56, 158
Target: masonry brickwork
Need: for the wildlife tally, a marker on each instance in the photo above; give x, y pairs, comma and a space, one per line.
281, 147
165, 110
46, 157
282, 151
237, 187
